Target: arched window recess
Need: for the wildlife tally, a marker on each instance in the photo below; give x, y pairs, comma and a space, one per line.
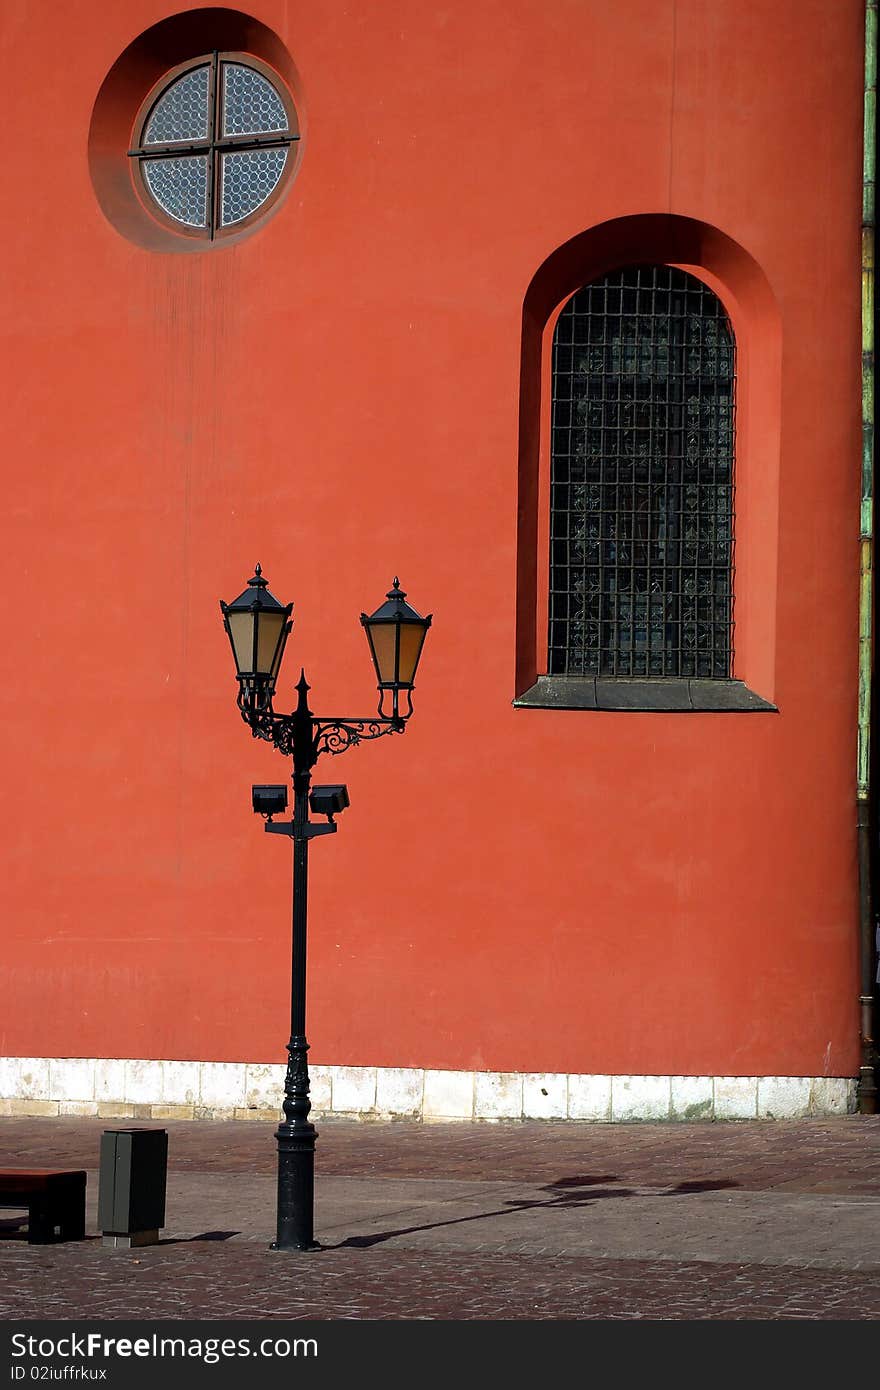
638, 609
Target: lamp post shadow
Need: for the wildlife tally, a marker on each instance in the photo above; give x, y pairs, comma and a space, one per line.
567, 1194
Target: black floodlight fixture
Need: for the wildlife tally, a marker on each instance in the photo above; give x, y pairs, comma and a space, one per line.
269, 800
257, 626
396, 634
329, 801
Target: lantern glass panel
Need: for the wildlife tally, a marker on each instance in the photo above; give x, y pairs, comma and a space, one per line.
412, 637
269, 630
383, 639
241, 628
279, 653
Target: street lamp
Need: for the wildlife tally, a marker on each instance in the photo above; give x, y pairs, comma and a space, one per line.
258, 627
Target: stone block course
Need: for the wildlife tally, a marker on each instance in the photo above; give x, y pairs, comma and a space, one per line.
498, 1095
832, 1095
691, 1098
545, 1096
736, 1097
35, 1107
180, 1083
640, 1097
143, 1082
134, 1088
264, 1084
35, 1078
783, 1097
589, 1097
449, 1095
109, 1079
399, 1090
111, 1110
221, 1085
353, 1090
320, 1089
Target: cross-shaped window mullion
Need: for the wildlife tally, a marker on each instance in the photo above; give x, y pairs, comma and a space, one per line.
220, 145
164, 151
224, 146
213, 126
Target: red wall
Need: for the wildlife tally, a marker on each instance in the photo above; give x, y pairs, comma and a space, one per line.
338, 397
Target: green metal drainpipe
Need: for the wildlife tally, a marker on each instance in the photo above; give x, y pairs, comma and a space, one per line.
867, 1091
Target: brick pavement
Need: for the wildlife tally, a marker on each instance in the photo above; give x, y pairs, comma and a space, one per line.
767, 1220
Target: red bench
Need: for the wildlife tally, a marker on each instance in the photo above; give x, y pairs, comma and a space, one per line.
54, 1197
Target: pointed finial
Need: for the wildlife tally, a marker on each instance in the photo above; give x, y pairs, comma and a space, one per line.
258, 582
302, 694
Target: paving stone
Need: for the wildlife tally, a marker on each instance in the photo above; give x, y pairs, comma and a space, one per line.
543, 1220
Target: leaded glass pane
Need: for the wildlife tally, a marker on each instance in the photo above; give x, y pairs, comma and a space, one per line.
641, 523
247, 179
180, 186
251, 106
181, 113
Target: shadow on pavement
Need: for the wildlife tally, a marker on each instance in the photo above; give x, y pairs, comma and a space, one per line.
567, 1194
205, 1235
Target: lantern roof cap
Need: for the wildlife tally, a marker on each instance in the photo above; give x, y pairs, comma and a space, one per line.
257, 595
395, 609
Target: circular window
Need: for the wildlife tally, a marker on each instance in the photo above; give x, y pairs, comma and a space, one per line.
212, 144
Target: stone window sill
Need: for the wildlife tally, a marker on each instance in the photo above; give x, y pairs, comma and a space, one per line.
661, 694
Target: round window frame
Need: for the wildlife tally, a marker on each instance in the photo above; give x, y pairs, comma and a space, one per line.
214, 233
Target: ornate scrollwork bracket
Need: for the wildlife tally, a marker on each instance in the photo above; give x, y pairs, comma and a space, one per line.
338, 735
304, 736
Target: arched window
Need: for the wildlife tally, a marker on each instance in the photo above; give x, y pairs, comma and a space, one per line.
212, 144
642, 480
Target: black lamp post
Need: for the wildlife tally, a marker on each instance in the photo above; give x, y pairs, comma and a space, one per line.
258, 627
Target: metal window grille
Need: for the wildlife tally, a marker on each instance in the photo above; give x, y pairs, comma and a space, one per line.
641, 481
214, 144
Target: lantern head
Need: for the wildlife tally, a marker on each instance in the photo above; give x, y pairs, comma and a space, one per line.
396, 634
257, 626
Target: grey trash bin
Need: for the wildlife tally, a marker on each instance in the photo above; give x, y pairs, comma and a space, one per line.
131, 1194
